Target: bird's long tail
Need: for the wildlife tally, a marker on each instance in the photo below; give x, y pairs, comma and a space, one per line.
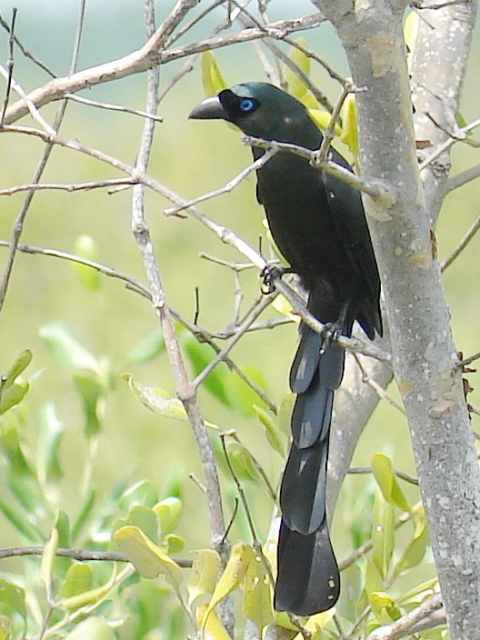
308, 579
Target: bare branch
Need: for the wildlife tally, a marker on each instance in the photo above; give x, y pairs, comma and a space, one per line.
150, 55
464, 242
403, 626
455, 182
80, 186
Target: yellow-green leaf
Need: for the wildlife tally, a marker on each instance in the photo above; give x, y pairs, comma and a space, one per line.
48, 557
309, 100
212, 628
231, 578
349, 135
322, 119
241, 461
383, 535
415, 550
174, 543
168, 512
78, 579
385, 476
257, 598
89, 597
212, 78
296, 85
157, 400
13, 395
149, 559
205, 571
20, 364
285, 412
86, 247
410, 32
384, 607
272, 432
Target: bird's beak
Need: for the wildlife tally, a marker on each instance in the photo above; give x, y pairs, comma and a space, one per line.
209, 109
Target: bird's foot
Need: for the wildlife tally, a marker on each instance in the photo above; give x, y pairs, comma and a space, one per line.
269, 274
330, 334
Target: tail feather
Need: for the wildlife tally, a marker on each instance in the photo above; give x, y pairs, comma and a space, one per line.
302, 494
308, 580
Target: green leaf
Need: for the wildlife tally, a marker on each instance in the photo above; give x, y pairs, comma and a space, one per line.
78, 579
285, 413
49, 440
13, 395
20, 520
243, 397
212, 78
296, 85
48, 557
272, 432
93, 629
383, 535
18, 367
84, 514
257, 594
66, 349
91, 391
10, 443
148, 348
12, 599
200, 355
168, 511
385, 476
141, 493
349, 135
145, 519
242, 462
86, 247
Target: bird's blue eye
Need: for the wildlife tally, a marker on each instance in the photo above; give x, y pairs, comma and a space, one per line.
247, 105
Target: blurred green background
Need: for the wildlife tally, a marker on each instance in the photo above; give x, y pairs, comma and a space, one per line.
190, 158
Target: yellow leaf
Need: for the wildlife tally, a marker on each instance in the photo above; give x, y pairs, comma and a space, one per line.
296, 85
212, 78
48, 557
349, 135
212, 628
322, 119
232, 577
149, 559
309, 100
283, 306
257, 599
384, 607
205, 570
89, 597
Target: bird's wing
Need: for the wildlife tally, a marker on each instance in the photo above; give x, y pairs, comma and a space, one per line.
348, 217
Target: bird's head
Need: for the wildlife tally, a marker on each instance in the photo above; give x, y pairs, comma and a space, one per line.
259, 109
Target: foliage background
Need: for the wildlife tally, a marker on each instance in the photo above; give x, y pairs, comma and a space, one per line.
192, 158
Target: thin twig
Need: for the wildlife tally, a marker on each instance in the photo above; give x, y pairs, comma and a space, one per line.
400, 474
17, 229
81, 186
464, 242
442, 148
10, 64
232, 184
112, 107
457, 181
379, 390
82, 555
403, 625
141, 232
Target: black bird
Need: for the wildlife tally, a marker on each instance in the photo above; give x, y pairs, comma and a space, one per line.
318, 223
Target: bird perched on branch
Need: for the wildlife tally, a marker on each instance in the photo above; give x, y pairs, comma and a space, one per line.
318, 223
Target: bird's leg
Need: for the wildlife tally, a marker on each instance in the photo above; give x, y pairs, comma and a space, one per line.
333, 330
269, 274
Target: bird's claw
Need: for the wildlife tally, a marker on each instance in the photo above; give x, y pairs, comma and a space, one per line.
330, 334
269, 274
